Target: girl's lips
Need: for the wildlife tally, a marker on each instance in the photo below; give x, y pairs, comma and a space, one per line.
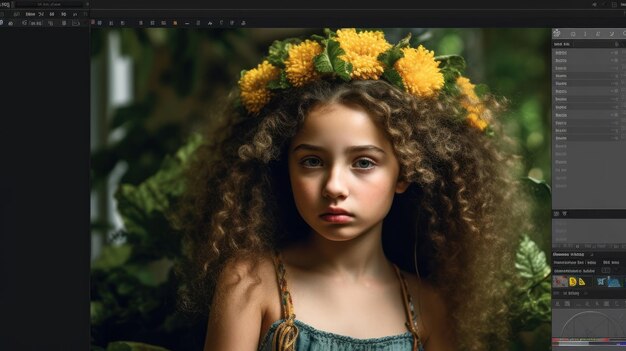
336, 218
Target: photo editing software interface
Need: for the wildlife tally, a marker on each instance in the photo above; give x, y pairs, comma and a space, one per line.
587, 128
588, 186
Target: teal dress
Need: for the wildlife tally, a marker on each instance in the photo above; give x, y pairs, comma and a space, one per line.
306, 338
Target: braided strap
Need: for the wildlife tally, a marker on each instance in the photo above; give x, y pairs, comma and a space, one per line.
411, 320
285, 336
286, 333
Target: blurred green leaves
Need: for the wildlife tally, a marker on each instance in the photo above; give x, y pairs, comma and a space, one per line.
133, 290
532, 297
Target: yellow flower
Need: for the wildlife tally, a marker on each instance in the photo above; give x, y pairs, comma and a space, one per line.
420, 72
477, 122
299, 65
467, 89
471, 102
253, 86
362, 50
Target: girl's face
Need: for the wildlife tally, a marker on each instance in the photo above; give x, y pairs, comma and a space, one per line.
343, 172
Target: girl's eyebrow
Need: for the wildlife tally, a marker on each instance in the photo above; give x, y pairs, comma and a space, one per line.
357, 148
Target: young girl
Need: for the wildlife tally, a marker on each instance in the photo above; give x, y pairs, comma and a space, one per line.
361, 200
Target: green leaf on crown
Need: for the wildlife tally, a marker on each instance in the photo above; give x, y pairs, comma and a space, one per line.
393, 77
451, 66
281, 83
317, 38
329, 33
279, 51
489, 131
405, 42
328, 62
393, 54
481, 90
389, 57
452, 61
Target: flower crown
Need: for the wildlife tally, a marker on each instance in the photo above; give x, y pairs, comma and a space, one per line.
349, 54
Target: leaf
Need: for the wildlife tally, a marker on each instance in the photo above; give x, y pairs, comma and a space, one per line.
112, 256
393, 77
143, 207
390, 56
328, 61
538, 188
481, 90
281, 83
96, 312
322, 62
452, 61
343, 69
404, 42
531, 298
530, 261
279, 51
490, 132
452, 66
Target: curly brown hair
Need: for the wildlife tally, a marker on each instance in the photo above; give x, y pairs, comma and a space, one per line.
462, 210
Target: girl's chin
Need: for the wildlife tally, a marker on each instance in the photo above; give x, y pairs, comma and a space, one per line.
337, 236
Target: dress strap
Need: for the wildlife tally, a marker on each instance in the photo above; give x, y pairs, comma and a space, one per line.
286, 333
409, 308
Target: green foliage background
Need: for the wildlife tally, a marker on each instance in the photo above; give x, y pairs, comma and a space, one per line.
180, 80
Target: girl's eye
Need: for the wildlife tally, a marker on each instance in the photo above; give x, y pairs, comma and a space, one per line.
364, 163
311, 162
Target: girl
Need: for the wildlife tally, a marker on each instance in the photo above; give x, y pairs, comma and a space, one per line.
361, 200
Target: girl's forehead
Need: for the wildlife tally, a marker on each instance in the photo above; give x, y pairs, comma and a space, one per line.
339, 124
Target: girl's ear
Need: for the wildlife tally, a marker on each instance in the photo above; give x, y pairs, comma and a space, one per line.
401, 186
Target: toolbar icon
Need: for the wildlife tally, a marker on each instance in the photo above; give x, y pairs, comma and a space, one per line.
556, 33
572, 281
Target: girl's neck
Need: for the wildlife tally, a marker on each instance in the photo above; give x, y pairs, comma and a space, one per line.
354, 259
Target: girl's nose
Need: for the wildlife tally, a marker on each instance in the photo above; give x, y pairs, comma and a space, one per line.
335, 185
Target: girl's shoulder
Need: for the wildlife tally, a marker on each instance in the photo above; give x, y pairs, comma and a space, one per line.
254, 275
251, 280
244, 300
